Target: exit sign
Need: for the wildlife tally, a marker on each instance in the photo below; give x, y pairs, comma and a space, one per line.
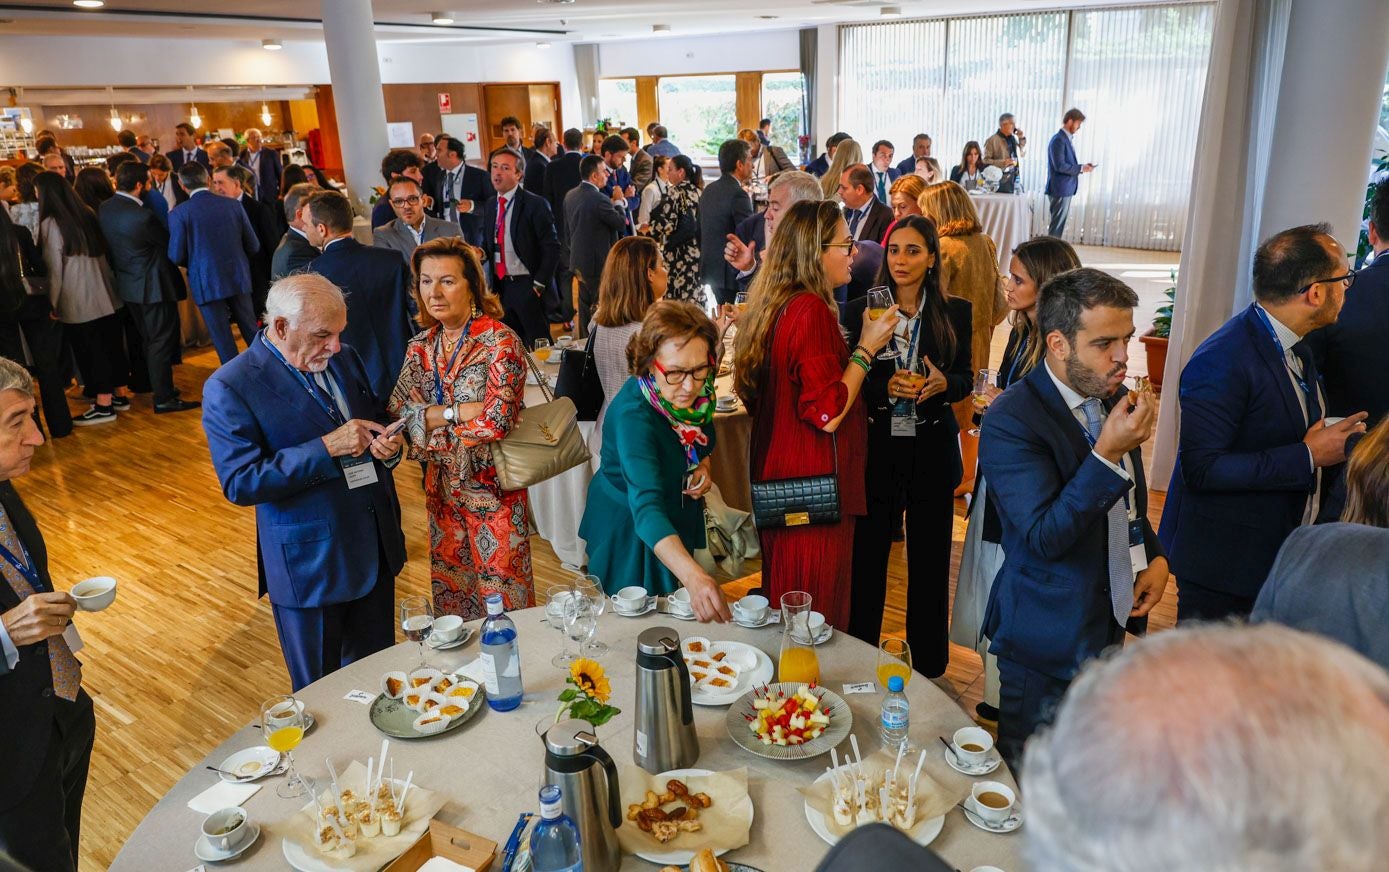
445, 103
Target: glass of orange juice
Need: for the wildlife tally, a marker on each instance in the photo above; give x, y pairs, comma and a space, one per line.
283, 722
894, 658
798, 661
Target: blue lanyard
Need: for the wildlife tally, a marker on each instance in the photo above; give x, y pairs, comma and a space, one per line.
326, 404
25, 568
439, 352
1283, 356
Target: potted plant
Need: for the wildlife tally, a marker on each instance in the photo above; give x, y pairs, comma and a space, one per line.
1155, 340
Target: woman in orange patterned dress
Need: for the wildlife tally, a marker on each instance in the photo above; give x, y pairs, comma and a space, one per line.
460, 390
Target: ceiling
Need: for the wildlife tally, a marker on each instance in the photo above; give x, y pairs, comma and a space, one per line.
405, 21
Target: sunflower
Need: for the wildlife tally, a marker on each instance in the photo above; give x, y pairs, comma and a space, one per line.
587, 675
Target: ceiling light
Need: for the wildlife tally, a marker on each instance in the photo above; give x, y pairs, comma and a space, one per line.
116, 122
891, 11
441, 17
661, 29
89, 4
27, 123
271, 44
265, 117
542, 45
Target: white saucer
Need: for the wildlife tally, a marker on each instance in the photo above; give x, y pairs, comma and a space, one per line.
445, 646
750, 625
821, 639
267, 757
650, 606
989, 764
1008, 826
203, 849
671, 613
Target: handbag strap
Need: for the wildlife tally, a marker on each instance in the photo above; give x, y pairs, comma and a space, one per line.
588, 353
762, 421
539, 376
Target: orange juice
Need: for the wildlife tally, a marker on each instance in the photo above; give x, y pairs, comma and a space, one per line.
799, 665
542, 354
876, 313
285, 738
887, 670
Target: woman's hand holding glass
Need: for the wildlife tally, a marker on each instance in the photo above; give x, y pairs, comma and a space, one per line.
878, 332
935, 381
983, 401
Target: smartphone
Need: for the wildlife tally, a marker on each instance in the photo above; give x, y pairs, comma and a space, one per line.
394, 428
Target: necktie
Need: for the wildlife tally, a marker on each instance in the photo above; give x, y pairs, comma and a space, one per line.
449, 208
882, 188
67, 672
854, 216
501, 237
1117, 531
1309, 377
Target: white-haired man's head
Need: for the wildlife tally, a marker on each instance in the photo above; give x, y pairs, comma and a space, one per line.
1218, 748
786, 189
305, 315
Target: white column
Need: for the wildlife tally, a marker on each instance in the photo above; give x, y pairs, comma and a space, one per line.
357, 98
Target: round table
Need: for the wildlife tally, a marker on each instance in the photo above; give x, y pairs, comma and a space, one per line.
490, 767
1007, 220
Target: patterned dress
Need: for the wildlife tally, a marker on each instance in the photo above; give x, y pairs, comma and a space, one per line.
679, 239
478, 533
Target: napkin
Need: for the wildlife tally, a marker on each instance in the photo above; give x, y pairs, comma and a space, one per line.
726, 823
932, 798
443, 864
473, 671
223, 794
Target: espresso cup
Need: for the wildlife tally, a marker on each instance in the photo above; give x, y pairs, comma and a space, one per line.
226, 829
630, 600
447, 628
564, 341
993, 801
282, 714
975, 738
751, 609
94, 594
679, 602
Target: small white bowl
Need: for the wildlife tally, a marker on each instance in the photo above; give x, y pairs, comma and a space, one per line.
94, 594
447, 628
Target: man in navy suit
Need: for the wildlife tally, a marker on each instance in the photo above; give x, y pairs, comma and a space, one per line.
921, 147
821, 164
213, 238
1254, 443
595, 223
264, 164
294, 430
521, 249
1063, 171
376, 282
561, 177
1061, 453
884, 173
188, 151
459, 190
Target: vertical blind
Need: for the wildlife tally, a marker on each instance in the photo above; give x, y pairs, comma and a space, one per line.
1137, 73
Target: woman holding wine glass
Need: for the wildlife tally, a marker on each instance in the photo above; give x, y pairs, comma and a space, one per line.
913, 456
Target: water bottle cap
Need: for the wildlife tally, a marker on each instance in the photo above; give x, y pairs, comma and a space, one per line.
494, 604
894, 684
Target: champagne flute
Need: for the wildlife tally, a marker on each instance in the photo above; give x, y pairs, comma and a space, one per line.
740, 300
982, 380
542, 350
588, 587
879, 301
916, 370
894, 658
417, 619
283, 724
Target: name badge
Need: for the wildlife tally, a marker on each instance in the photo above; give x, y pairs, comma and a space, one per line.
903, 419
1138, 554
359, 471
70, 636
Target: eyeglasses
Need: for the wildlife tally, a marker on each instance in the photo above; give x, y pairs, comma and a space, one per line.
847, 244
676, 377
1348, 278
412, 200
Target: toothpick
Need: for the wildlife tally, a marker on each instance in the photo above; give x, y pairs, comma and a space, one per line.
400, 806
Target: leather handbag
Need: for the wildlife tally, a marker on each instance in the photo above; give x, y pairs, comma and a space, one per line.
578, 380
544, 442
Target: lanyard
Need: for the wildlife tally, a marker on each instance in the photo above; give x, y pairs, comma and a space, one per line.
1019, 356
1085, 431
326, 404
24, 568
439, 352
1283, 356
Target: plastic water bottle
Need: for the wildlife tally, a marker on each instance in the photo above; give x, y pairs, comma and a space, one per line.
555, 840
500, 657
896, 714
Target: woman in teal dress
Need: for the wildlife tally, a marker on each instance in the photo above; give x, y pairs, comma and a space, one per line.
645, 510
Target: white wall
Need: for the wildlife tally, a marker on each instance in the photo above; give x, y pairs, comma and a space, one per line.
726, 53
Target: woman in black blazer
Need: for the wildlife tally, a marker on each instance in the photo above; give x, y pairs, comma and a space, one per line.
917, 471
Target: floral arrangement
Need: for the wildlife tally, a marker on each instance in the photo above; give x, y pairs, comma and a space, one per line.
377, 192
587, 696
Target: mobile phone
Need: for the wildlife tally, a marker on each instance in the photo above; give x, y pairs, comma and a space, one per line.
394, 428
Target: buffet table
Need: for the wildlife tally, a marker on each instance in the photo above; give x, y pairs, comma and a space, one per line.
489, 768
1007, 220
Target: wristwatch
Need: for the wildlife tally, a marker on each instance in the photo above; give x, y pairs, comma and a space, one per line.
449, 413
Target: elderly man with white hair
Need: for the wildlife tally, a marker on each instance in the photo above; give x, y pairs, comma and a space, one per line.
1218, 749
744, 247
265, 164
295, 430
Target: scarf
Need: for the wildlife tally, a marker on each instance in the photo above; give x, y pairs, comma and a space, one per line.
687, 423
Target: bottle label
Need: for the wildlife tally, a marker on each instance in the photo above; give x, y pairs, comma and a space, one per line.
489, 673
641, 744
894, 720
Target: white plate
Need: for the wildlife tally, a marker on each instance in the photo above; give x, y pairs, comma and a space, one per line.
989, 764
264, 756
1007, 826
762, 673
682, 858
204, 850
926, 833
445, 646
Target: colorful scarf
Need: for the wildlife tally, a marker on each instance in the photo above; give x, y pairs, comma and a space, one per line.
687, 423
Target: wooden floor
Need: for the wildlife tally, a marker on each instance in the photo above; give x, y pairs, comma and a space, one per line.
187, 653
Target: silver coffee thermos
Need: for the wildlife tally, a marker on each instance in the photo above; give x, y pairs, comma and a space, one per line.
665, 736
587, 779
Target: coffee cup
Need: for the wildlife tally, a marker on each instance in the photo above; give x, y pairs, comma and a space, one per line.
751, 609
993, 801
226, 829
447, 628
284, 713
564, 341
94, 594
972, 745
679, 602
630, 600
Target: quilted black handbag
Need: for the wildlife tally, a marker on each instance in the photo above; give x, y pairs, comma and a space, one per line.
578, 380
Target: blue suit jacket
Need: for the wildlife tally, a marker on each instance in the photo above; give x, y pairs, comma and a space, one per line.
270, 169
317, 542
1062, 167
156, 203
906, 166
200, 238
819, 166
1243, 474
1050, 607
532, 234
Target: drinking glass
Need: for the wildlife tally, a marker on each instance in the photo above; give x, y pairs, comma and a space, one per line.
561, 595
417, 619
588, 587
879, 301
282, 722
580, 620
894, 658
916, 369
798, 661
982, 380
542, 350
740, 301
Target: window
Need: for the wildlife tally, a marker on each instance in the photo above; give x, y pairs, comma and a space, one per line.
783, 101
699, 112
617, 101
886, 96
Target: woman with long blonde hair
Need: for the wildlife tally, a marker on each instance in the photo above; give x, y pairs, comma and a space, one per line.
846, 155
801, 383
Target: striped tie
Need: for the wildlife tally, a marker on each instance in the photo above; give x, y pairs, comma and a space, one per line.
1117, 530
67, 672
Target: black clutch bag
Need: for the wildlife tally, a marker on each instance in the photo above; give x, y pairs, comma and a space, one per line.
578, 380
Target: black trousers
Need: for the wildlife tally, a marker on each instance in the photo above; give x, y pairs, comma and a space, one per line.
588, 304
524, 307
158, 326
99, 347
44, 337
1196, 602
137, 375
41, 830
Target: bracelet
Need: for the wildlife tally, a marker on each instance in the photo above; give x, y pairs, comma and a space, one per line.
866, 352
861, 362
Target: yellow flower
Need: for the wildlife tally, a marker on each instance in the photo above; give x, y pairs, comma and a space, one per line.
588, 677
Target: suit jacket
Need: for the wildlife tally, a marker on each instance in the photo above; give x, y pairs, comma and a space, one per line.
1063, 170
140, 154
377, 285
774, 160
159, 205
723, 204
561, 177
475, 186
1243, 474
873, 226
819, 166
293, 254
317, 542
906, 166
267, 175
396, 236
26, 697
595, 224
641, 169
1050, 607
138, 248
262, 218
218, 262
892, 174
1351, 354
534, 179
176, 159
532, 235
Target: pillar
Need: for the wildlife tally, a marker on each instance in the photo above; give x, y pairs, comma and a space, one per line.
357, 96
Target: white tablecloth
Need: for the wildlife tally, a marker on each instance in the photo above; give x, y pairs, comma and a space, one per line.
1007, 220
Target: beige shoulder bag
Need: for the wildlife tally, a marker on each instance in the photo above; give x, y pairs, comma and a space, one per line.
544, 441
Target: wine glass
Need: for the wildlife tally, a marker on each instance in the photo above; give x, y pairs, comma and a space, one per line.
283, 723
542, 350
561, 595
894, 658
879, 301
580, 621
587, 586
740, 301
916, 369
417, 619
982, 380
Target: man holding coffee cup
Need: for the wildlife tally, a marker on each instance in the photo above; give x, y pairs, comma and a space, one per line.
46, 719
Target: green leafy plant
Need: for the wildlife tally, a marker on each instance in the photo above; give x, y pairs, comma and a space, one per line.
1162, 320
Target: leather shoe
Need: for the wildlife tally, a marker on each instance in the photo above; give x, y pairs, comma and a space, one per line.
176, 406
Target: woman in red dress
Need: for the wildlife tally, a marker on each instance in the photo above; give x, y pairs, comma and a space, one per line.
801, 383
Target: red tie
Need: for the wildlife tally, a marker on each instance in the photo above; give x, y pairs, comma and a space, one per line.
501, 237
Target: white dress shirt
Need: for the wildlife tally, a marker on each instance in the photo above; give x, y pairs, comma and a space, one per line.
514, 266
1294, 365
863, 217
1075, 402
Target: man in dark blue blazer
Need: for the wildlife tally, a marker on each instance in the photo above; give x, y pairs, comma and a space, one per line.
1061, 452
1063, 171
594, 223
921, 147
561, 177
821, 164
265, 165
884, 173
295, 430
521, 248
188, 151
376, 282
213, 238
1254, 442
459, 190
